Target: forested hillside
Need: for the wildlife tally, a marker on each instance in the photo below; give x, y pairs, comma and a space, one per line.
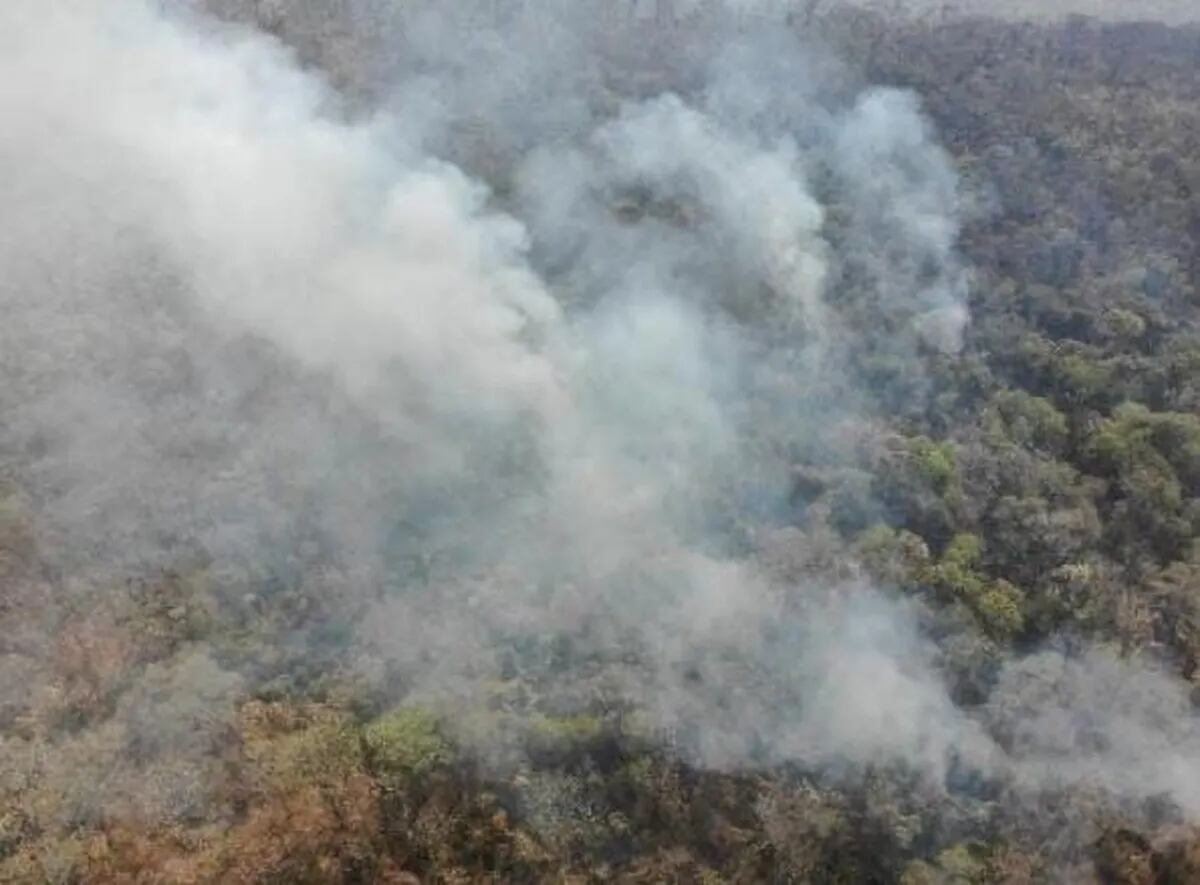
870, 557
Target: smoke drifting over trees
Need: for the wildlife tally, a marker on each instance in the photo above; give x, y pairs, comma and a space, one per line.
400, 400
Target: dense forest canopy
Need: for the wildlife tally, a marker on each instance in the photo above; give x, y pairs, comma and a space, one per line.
529, 441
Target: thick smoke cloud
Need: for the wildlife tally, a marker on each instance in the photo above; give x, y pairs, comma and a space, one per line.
515, 340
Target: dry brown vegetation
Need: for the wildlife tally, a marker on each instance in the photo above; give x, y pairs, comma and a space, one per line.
1051, 487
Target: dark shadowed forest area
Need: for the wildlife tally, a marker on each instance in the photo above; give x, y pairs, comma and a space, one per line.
534, 442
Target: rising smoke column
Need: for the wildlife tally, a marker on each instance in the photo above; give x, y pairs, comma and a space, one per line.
522, 343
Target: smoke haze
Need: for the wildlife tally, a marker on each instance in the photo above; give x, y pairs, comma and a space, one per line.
504, 336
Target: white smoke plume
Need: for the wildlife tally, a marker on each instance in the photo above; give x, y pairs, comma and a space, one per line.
510, 339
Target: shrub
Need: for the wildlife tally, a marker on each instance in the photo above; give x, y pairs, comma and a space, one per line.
934, 461
406, 741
